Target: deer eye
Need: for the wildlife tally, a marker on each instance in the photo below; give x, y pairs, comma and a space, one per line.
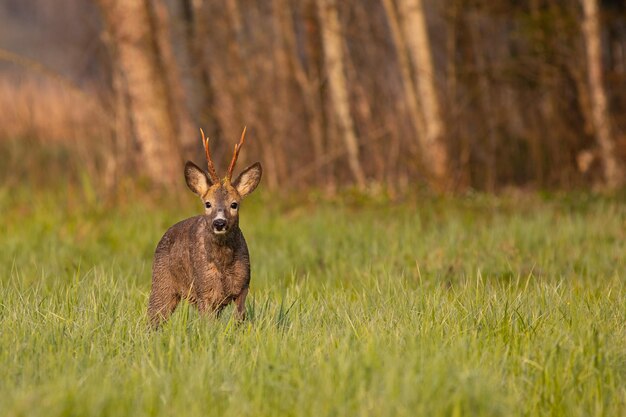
207, 205
234, 206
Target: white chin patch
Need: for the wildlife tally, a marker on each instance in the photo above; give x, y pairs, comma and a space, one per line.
219, 232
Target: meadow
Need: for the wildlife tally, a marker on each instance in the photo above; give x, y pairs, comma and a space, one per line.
474, 305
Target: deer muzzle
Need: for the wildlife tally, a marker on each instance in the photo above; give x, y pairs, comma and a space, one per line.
220, 226
220, 223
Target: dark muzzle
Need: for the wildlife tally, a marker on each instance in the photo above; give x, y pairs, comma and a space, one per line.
219, 225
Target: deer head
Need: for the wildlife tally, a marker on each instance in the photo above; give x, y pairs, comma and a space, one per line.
222, 198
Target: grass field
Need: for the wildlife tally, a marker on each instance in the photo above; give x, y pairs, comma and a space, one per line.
476, 306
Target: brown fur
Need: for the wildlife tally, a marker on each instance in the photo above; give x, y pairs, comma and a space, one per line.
197, 260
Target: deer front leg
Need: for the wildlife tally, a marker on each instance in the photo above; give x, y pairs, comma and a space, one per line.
240, 305
161, 306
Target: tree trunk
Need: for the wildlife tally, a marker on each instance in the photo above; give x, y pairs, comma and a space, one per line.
314, 68
141, 53
248, 109
333, 60
278, 106
410, 91
307, 89
195, 35
613, 171
418, 46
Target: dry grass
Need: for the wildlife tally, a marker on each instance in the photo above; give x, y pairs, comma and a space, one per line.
45, 110
50, 131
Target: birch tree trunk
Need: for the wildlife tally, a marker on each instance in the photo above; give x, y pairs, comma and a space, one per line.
613, 171
418, 46
410, 91
149, 81
333, 60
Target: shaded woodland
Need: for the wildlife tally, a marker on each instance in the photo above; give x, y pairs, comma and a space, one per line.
394, 94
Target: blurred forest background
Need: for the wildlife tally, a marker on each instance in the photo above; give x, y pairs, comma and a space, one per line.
397, 94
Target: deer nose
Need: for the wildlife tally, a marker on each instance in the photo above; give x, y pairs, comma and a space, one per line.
219, 224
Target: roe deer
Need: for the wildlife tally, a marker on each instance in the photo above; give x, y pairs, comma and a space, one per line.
204, 259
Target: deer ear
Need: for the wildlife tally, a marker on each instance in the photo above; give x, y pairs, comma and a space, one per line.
247, 181
197, 179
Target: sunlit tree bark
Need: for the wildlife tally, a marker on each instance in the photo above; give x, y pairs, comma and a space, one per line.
410, 91
418, 45
333, 60
613, 171
159, 123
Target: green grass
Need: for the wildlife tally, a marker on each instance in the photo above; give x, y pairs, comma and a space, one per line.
476, 306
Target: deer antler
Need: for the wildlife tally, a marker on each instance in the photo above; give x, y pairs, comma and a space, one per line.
207, 152
236, 155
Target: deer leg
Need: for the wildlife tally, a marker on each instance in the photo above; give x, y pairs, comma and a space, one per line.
207, 309
240, 305
161, 306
